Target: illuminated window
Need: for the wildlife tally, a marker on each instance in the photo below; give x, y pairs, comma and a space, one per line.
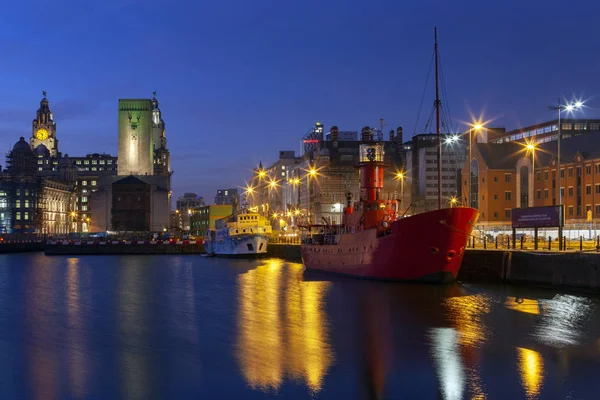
94, 169
4, 203
84, 199
109, 161
94, 162
26, 216
84, 207
26, 192
18, 216
83, 183
86, 162
40, 162
78, 162
26, 203
580, 127
18, 204
18, 192
102, 162
567, 127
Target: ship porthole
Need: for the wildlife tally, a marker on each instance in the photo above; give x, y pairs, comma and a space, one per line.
450, 255
434, 250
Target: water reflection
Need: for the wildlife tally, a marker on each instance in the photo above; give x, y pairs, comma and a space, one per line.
133, 323
78, 366
565, 317
456, 350
41, 314
531, 368
282, 327
528, 306
448, 363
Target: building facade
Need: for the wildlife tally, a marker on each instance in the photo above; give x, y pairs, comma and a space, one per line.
227, 196
422, 171
317, 185
142, 155
503, 178
543, 132
203, 218
186, 205
31, 203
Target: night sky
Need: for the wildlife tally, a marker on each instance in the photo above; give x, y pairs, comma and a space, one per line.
239, 80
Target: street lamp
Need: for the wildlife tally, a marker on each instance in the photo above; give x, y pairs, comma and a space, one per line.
400, 177
312, 173
473, 127
453, 202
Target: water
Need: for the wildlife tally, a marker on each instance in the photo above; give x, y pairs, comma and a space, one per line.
179, 327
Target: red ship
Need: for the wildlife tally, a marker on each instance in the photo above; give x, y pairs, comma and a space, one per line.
372, 242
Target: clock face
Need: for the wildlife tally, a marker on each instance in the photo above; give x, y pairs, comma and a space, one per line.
41, 134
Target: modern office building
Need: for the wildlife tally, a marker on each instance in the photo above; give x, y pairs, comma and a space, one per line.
203, 218
227, 196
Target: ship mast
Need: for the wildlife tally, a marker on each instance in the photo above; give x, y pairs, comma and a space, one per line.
437, 123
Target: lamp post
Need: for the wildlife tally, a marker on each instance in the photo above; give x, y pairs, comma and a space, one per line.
474, 127
531, 148
569, 108
400, 177
312, 172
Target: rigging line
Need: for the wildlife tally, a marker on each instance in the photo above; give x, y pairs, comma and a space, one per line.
430, 118
423, 95
444, 91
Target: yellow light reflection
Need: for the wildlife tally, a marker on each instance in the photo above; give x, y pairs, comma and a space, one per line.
531, 368
467, 312
528, 306
282, 327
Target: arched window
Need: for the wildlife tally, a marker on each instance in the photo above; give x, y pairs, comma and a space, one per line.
474, 188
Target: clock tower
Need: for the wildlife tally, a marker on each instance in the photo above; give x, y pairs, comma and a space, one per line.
43, 130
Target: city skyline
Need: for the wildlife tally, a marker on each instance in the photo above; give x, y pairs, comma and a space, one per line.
259, 76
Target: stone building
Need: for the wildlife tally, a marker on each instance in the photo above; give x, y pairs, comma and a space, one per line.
142, 155
34, 204
503, 179
131, 198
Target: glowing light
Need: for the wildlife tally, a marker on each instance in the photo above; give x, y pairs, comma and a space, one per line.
530, 146
400, 175
578, 104
273, 184
262, 174
531, 367
312, 171
569, 107
453, 200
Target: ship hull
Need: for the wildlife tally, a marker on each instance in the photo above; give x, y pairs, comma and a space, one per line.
426, 247
244, 246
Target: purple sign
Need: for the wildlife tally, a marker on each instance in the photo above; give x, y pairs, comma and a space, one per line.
536, 217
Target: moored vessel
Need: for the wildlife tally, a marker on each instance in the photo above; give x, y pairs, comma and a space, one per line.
374, 241
241, 234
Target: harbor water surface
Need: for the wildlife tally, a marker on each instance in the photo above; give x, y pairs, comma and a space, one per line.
179, 327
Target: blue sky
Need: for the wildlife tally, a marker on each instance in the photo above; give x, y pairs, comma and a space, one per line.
240, 80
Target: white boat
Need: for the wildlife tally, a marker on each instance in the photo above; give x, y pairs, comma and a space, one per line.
244, 235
